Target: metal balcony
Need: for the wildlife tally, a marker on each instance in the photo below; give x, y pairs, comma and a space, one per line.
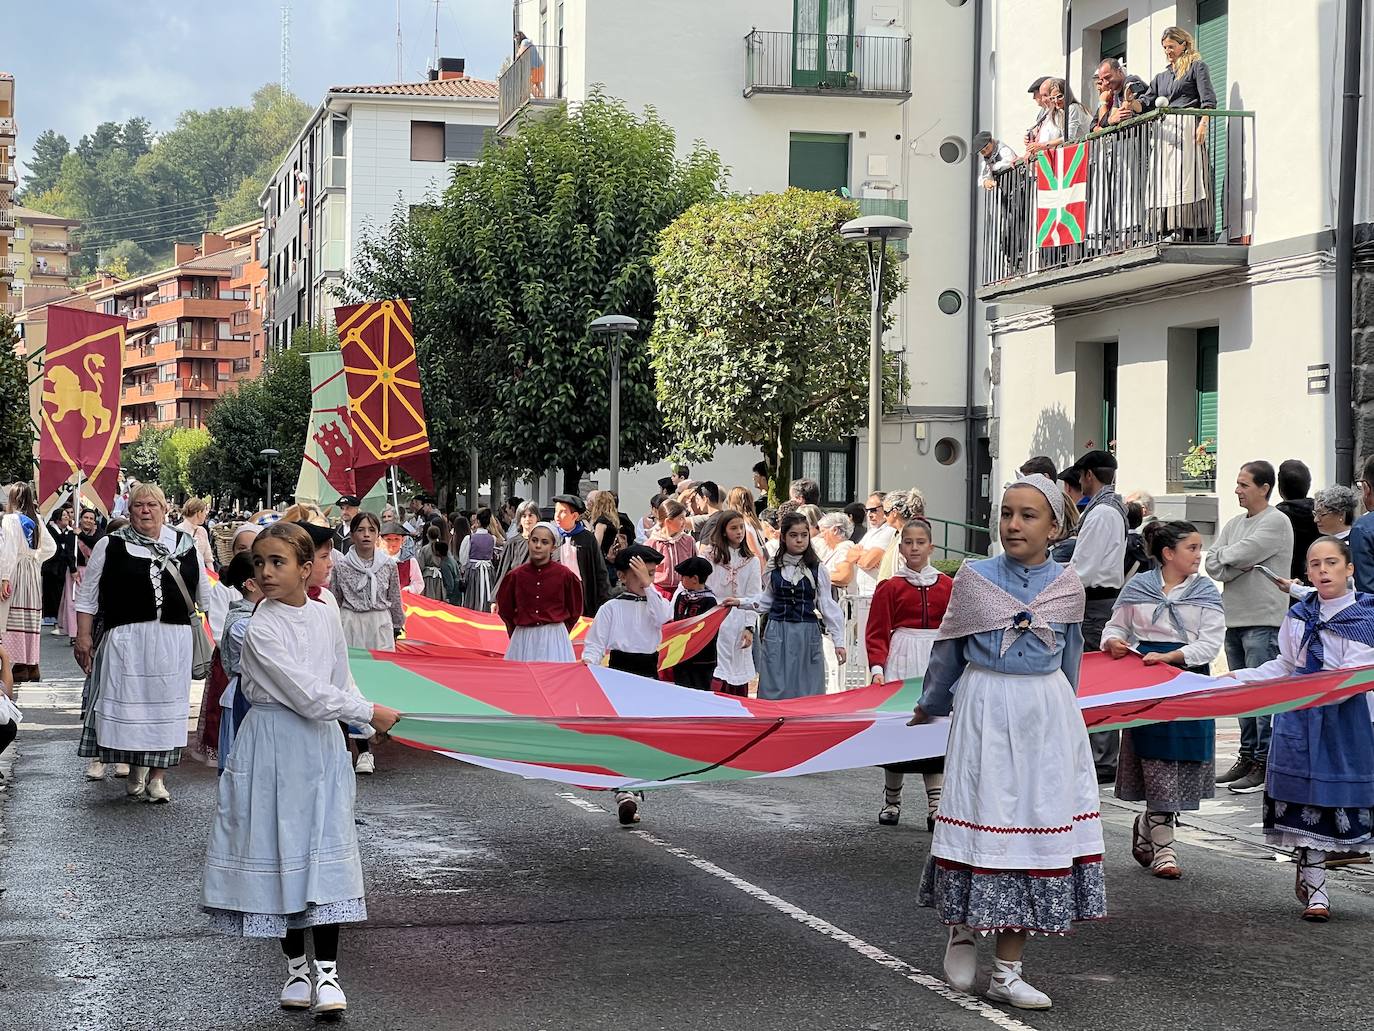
534, 79
1138, 206
827, 64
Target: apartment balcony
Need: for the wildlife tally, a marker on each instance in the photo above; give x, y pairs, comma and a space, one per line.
884, 206
9, 179
48, 271
1134, 208
8, 267
7, 224
167, 309
9, 129
1180, 481
60, 246
526, 87
823, 64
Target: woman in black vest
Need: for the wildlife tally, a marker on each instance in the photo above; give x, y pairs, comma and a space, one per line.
141, 673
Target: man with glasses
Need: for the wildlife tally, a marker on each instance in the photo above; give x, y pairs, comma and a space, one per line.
873, 546
1362, 533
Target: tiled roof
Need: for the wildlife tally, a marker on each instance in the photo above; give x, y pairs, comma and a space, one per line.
24, 214
219, 261
472, 89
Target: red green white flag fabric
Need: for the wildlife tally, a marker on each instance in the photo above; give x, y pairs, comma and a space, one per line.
602, 728
1061, 195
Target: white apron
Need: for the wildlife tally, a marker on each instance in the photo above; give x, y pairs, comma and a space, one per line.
908, 654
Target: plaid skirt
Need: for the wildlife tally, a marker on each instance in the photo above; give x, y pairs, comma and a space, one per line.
89, 748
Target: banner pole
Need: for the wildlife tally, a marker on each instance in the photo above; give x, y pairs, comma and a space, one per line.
395, 491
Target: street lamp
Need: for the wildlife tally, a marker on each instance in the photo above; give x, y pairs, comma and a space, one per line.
615, 327
269, 453
875, 232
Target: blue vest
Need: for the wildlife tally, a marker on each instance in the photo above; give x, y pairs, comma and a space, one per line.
792, 602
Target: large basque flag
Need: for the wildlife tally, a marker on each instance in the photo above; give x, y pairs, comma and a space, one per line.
1061, 197
601, 728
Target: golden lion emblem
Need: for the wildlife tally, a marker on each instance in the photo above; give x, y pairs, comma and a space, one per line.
65, 393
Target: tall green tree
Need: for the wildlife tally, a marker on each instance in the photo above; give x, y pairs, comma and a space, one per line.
554, 227
142, 459
763, 326
175, 457
49, 148
16, 429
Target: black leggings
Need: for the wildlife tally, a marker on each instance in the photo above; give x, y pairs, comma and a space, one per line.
8, 732
326, 943
360, 742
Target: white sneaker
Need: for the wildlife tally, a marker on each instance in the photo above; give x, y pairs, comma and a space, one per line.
961, 957
121, 770
298, 992
137, 783
157, 791
1007, 986
329, 997
95, 770
366, 764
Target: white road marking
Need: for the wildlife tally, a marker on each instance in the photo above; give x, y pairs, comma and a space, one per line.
863, 948
582, 803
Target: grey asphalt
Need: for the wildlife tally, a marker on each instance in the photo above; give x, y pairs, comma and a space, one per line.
498, 903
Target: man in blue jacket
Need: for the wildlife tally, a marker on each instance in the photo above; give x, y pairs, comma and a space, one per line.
1362, 533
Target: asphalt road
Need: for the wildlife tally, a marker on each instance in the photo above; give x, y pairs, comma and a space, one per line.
498, 903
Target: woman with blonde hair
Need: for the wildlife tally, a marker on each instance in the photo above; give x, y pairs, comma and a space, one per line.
1182, 202
25, 544
193, 516
604, 519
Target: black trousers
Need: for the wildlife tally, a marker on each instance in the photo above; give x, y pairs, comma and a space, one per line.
645, 664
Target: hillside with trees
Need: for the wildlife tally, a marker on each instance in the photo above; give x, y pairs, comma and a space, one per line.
137, 192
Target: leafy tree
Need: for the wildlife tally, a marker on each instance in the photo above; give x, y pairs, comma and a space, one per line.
553, 228
125, 259
763, 326
48, 151
143, 458
174, 459
272, 411
16, 429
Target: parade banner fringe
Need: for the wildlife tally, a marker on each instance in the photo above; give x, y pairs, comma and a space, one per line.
83, 369
601, 728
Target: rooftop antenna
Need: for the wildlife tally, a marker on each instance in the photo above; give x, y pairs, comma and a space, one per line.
399, 51
434, 58
285, 76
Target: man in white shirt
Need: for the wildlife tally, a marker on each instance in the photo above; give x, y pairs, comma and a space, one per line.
1100, 558
872, 547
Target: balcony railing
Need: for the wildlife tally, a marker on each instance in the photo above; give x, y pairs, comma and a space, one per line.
1180, 482
197, 344
535, 76
884, 206
9, 128
814, 63
6, 222
60, 246
1148, 182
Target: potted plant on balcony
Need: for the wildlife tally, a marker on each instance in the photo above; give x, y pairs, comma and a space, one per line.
1199, 465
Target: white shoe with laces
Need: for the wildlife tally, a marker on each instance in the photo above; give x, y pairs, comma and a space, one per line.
95, 770
1008, 986
329, 997
299, 991
961, 957
366, 764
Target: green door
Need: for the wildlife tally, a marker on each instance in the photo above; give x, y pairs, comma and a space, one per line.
818, 161
822, 42
1109, 396
1211, 44
1207, 340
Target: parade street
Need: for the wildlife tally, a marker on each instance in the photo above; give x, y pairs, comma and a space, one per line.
498, 903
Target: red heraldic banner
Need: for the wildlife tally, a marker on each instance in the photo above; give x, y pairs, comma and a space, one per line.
383, 377
82, 371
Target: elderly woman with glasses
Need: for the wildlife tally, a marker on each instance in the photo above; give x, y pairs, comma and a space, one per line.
1334, 510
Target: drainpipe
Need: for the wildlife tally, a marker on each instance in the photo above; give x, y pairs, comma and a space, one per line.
971, 343
1343, 372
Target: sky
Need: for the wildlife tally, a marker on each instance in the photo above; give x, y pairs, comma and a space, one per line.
82, 62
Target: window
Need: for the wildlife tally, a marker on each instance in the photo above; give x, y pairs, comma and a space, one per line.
242, 364
831, 465
823, 53
426, 141
332, 233
1114, 41
818, 161
338, 162
1207, 347
1109, 358
463, 142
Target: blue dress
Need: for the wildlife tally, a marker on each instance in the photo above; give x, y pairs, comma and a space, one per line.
1018, 837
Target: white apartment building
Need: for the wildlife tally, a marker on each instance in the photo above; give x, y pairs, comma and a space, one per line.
364, 151
868, 97
1153, 337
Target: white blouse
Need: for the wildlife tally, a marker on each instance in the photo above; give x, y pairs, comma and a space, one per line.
1337, 652
741, 578
296, 656
627, 626
1205, 629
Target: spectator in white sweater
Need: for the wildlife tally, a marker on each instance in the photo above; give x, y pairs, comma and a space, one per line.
1260, 536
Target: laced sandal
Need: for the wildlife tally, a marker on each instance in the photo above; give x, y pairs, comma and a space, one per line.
1142, 848
298, 992
889, 815
1160, 827
1009, 986
961, 957
1165, 865
329, 997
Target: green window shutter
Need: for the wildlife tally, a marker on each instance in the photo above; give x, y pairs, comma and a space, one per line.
1109, 395
1207, 346
818, 161
1114, 41
1212, 44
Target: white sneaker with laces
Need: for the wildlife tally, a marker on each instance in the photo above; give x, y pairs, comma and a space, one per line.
299, 992
329, 997
1008, 986
366, 764
95, 770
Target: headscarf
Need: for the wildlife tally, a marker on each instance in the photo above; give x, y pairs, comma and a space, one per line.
1147, 588
1053, 495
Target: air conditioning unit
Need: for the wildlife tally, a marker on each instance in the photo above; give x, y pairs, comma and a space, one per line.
139, 313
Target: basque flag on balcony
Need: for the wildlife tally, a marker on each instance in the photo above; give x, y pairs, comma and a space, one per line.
1061, 197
